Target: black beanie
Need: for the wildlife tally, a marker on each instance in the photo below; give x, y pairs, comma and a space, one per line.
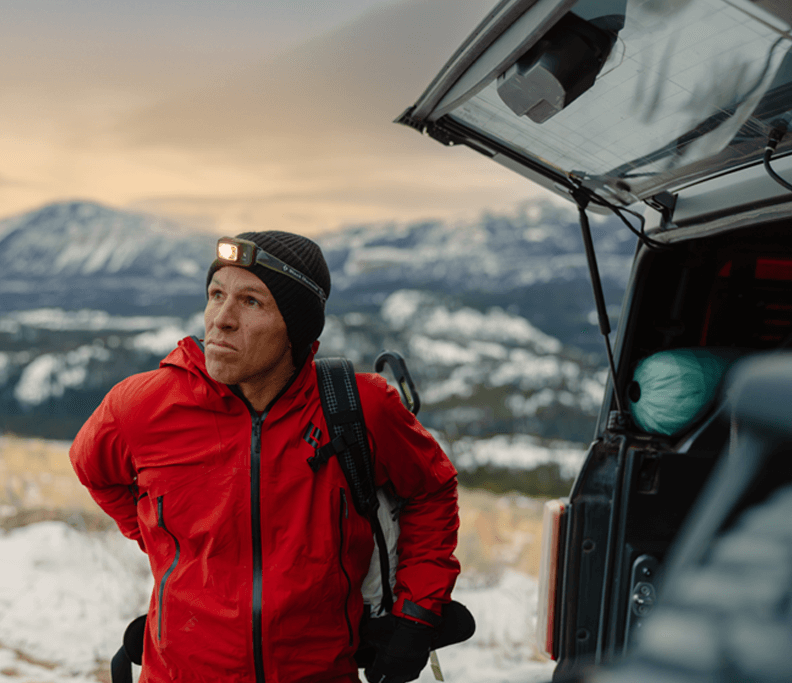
301, 308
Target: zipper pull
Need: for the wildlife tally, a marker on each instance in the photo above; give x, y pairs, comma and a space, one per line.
344, 503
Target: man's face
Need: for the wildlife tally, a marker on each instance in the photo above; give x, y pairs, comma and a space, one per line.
246, 341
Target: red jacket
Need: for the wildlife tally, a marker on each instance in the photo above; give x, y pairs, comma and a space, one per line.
258, 561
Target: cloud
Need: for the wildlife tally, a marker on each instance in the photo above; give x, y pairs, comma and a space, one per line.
325, 94
303, 141
317, 125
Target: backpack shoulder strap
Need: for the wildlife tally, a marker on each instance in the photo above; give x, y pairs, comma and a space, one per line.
349, 443
347, 430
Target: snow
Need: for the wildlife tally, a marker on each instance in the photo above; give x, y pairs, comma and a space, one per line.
66, 597
531, 370
495, 325
467, 349
158, 342
50, 374
367, 259
501, 650
460, 383
438, 352
4, 363
398, 309
537, 234
593, 390
15, 667
410, 307
98, 255
188, 267
57, 319
522, 406
518, 451
490, 350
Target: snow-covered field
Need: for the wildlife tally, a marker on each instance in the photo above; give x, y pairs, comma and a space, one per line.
68, 588
66, 596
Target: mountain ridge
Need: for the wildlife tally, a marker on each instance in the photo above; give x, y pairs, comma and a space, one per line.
494, 316
75, 255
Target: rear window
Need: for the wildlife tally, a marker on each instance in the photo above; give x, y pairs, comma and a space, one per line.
750, 304
688, 88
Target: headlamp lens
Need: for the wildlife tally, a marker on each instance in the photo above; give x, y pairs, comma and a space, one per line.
228, 252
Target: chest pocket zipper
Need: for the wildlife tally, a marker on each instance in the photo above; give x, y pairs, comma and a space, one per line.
343, 513
166, 575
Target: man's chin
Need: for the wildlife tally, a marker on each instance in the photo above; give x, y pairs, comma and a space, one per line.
219, 372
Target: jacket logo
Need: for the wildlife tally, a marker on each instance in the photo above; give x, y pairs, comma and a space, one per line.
312, 435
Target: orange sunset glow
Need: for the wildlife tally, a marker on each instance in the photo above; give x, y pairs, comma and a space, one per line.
240, 121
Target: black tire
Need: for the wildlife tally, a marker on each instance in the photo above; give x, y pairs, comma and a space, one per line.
728, 618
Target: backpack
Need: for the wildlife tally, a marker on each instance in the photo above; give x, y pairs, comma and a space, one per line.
381, 507
349, 443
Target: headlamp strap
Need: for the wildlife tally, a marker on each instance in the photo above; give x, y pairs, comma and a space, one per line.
265, 260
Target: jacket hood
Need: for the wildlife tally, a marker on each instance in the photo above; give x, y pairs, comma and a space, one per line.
211, 394
188, 355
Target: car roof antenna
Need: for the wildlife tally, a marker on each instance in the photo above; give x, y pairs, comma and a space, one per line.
617, 421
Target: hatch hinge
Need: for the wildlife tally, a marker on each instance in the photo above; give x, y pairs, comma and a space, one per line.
438, 132
433, 130
406, 119
663, 202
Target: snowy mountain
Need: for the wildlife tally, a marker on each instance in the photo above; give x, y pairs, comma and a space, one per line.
530, 262
479, 373
81, 255
77, 255
499, 394
494, 318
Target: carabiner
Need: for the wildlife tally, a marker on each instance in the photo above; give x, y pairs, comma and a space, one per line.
402, 376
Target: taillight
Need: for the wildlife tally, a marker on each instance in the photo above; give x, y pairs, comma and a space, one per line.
549, 577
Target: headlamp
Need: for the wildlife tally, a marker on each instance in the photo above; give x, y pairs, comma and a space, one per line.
233, 251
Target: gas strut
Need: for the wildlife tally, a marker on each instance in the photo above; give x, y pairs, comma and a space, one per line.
582, 200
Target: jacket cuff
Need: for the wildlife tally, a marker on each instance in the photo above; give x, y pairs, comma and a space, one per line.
414, 612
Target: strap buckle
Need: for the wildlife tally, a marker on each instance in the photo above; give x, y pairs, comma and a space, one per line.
324, 453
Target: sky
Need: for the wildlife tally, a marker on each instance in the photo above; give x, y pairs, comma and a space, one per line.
237, 115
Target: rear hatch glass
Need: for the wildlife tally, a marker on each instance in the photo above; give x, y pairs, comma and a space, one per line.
689, 88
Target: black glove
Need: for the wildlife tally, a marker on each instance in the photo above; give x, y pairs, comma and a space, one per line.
405, 655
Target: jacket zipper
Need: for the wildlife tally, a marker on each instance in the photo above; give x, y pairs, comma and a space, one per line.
342, 515
255, 518
166, 575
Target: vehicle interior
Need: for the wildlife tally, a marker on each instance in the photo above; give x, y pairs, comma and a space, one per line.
730, 294
734, 290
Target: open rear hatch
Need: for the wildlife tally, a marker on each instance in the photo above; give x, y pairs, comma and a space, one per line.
625, 99
610, 103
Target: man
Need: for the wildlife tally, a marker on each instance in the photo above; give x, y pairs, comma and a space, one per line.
257, 560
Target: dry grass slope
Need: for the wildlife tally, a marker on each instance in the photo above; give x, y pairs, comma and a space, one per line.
38, 483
